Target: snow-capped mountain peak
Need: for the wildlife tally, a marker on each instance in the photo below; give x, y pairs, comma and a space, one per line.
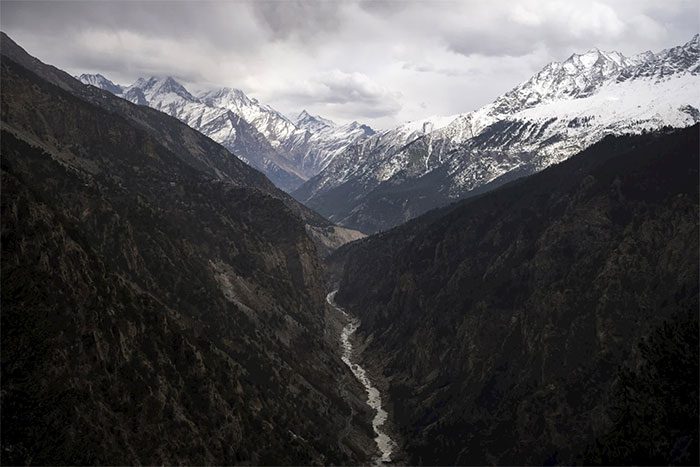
584, 60
304, 115
158, 88
594, 57
667, 63
643, 57
579, 75
354, 125
231, 96
312, 122
100, 81
271, 123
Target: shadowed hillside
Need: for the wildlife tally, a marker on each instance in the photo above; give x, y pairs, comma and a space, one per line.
162, 302
553, 320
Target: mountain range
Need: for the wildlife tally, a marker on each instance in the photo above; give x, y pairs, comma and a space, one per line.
288, 152
400, 173
163, 302
372, 180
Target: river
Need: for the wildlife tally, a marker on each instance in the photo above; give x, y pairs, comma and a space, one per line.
384, 443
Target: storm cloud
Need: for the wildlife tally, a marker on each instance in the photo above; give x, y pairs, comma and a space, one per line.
377, 62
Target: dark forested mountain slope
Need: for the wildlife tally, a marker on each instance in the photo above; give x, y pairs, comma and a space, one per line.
553, 320
162, 302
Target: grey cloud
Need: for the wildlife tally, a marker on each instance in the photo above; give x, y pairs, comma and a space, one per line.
390, 57
348, 94
117, 65
384, 7
525, 27
491, 44
362, 111
514, 29
298, 19
220, 25
429, 68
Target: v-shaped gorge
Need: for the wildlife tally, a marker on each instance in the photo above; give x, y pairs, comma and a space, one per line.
163, 302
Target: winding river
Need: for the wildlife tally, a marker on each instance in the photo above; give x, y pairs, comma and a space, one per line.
385, 444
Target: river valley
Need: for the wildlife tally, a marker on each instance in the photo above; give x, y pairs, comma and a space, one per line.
385, 444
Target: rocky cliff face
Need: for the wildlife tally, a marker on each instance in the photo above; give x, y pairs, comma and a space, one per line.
553, 320
162, 302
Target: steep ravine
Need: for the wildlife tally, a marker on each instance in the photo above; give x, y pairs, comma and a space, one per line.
385, 444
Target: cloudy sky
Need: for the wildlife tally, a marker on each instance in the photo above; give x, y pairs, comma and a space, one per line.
382, 63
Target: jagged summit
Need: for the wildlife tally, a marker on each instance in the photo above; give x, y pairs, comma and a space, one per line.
225, 92
271, 123
100, 81
155, 87
354, 125
667, 63
313, 122
592, 56
577, 76
583, 74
